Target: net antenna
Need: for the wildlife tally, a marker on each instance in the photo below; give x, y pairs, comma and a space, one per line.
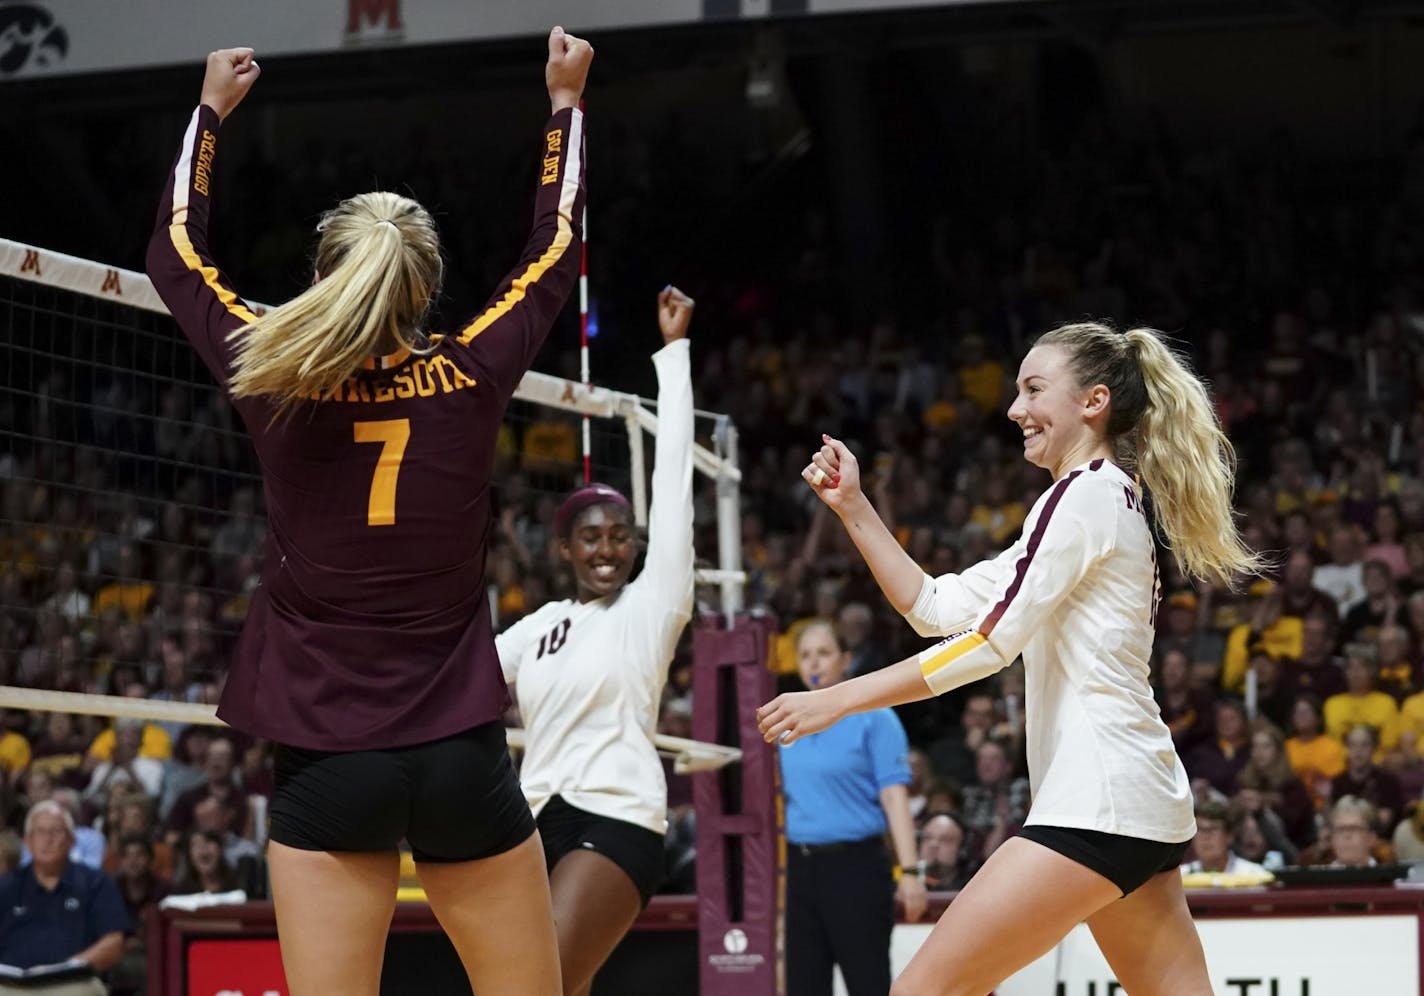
583, 332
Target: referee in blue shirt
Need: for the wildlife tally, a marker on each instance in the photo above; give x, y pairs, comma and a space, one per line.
54, 911
844, 788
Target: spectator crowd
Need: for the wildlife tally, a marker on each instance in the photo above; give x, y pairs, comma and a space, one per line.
131, 528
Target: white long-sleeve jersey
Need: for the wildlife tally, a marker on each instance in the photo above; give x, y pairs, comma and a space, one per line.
1076, 596
589, 676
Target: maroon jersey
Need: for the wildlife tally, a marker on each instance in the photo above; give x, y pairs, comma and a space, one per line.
371, 628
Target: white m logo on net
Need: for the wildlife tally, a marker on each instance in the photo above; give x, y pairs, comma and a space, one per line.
735, 941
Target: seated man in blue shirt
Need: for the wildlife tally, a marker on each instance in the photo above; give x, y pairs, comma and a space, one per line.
54, 911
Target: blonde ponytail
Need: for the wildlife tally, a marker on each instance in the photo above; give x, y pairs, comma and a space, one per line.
380, 268
1188, 466
1166, 429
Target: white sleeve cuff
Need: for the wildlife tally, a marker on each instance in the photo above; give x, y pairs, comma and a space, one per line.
669, 348
922, 615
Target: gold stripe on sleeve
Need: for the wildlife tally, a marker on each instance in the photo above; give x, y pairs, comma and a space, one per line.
522, 283
179, 236
952, 651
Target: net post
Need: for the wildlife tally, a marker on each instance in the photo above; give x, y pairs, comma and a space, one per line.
741, 845
637, 469
729, 519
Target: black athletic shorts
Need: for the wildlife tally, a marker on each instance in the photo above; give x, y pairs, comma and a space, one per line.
637, 850
456, 799
1127, 862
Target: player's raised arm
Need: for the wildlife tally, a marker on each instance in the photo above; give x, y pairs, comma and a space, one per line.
834, 474
507, 333
178, 261
933, 606
1066, 549
668, 568
566, 72
230, 75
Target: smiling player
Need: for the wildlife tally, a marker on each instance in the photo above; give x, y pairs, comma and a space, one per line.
1076, 596
588, 674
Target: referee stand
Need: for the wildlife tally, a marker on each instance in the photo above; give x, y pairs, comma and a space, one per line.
741, 840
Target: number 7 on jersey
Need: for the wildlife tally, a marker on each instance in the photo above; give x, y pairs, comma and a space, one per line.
392, 434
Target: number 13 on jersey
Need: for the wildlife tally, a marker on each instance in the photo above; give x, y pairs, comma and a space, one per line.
392, 434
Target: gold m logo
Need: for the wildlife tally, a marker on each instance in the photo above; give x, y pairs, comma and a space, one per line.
382, 14
31, 263
111, 283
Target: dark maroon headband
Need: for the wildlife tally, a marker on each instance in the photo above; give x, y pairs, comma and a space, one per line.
584, 497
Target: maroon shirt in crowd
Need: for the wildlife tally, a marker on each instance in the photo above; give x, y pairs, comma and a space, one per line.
1217, 763
370, 628
1378, 787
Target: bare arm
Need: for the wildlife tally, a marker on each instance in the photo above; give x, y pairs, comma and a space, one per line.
895, 800
932, 606
1082, 532
898, 576
797, 714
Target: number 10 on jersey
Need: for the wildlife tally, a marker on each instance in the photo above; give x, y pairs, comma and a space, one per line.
392, 434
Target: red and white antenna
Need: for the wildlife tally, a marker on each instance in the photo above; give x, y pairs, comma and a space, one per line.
583, 325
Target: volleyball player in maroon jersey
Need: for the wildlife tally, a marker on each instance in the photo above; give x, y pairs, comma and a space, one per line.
367, 654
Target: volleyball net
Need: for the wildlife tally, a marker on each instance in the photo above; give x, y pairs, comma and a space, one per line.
131, 522
131, 537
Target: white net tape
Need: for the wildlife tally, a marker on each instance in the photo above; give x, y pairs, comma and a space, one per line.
688, 755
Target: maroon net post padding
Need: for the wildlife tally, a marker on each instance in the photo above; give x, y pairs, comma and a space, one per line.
741, 840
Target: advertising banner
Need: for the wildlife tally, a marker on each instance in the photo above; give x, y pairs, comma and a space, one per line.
1269, 956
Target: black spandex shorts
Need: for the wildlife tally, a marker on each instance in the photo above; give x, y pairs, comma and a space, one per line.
637, 850
455, 799
1127, 862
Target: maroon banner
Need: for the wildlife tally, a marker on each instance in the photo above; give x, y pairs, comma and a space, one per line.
741, 843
